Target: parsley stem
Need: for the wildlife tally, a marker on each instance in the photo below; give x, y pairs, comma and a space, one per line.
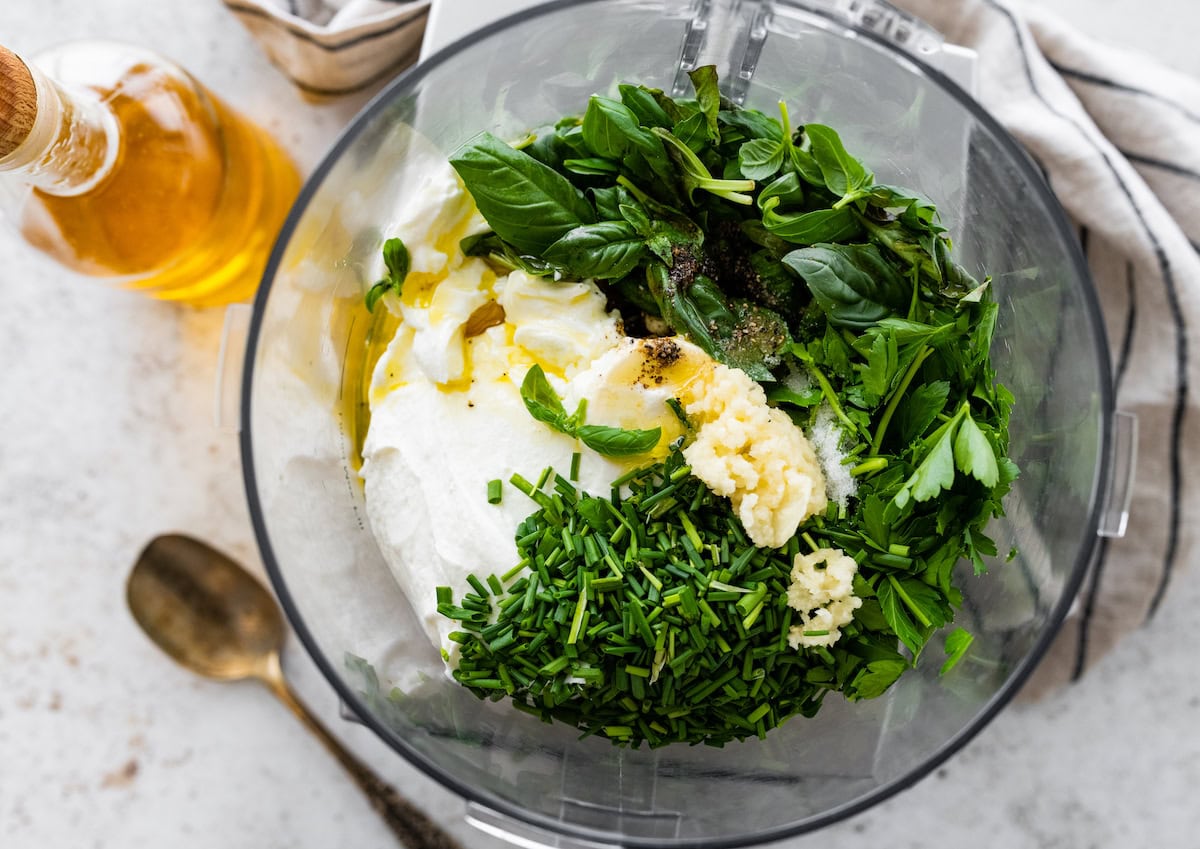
874, 464
894, 401
830, 395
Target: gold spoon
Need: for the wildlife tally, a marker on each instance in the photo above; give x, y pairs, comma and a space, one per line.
210, 615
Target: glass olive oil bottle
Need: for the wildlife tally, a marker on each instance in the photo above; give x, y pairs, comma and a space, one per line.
125, 167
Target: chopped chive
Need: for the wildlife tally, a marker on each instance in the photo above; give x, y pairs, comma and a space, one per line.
577, 617
522, 484
758, 713
575, 458
445, 595
478, 586
680, 473
495, 491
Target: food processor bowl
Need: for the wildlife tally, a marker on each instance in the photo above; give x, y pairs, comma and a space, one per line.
303, 416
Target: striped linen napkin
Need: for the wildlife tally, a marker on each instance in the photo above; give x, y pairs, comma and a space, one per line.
1118, 137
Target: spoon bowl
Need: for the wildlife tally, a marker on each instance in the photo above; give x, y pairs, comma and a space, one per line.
203, 609
213, 617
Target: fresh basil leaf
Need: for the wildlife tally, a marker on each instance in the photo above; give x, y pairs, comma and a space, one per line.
809, 228
612, 132
608, 201
549, 149
843, 174
606, 250
676, 110
396, 260
760, 159
592, 166
541, 400
806, 166
754, 230
478, 244
973, 453
917, 212
396, 263
755, 340
610, 128
572, 422
528, 204
642, 104
741, 125
708, 96
956, 645
637, 218
618, 442
375, 293
693, 131
787, 188
682, 313
501, 256
670, 234
853, 284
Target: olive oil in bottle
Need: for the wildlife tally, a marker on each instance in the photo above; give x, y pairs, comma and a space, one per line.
129, 169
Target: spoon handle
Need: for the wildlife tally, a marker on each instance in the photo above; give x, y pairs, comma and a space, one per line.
410, 825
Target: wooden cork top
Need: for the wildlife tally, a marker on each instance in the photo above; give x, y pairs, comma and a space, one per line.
18, 102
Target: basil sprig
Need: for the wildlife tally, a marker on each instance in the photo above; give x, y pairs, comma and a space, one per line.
544, 405
397, 262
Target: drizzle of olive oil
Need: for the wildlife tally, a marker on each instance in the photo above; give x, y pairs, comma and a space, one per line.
367, 342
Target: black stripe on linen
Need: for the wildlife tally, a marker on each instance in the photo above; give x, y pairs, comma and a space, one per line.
1097, 569
1161, 164
1130, 324
253, 12
383, 74
1093, 79
1175, 481
1095, 574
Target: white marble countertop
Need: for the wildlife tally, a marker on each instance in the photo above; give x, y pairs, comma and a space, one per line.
107, 439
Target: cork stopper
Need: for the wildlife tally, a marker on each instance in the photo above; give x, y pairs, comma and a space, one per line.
18, 102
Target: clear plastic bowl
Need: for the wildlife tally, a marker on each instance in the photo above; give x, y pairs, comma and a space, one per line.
300, 414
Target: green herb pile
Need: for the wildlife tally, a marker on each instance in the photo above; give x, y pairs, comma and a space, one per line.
649, 616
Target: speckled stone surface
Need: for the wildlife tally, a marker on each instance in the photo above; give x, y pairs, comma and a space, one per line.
107, 438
